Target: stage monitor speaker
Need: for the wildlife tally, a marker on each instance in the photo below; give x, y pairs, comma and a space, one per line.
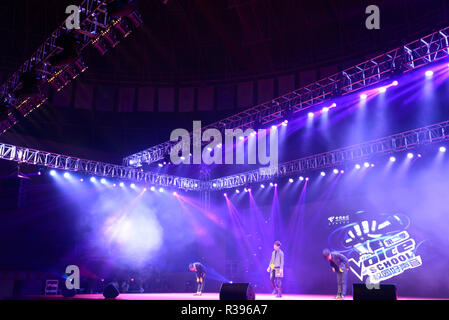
111, 291
237, 291
68, 293
384, 292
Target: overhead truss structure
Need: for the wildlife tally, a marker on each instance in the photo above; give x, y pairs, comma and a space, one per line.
96, 168
97, 28
395, 143
373, 71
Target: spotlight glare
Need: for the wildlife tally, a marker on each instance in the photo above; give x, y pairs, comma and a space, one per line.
274, 127
175, 193
335, 171
161, 189
225, 194
275, 185
237, 191
392, 159
409, 155
290, 180
395, 83
382, 89
92, 179
322, 173
442, 149
342, 171
103, 180
301, 178
52, 173
310, 114
363, 96
429, 73
66, 175
366, 164
152, 188
121, 184
325, 109
357, 166
262, 186
132, 185
307, 178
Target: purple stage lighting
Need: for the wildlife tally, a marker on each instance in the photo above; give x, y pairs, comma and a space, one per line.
237, 191
81, 179
335, 171
342, 171
409, 155
363, 96
121, 184
366, 164
307, 179
225, 194
66, 175
103, 181
394, 83
52, 173
429, 73
290, 180
262, 186
175, 193
442, 149
301, 178
322, 173
132, 185
325, 109
357, 166
392, 159
153, 188
161, 189
382, 89
284, 123
275, 185
310, 114
92, 179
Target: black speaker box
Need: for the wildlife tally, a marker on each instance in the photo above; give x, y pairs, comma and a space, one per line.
384, 292
110, 291
237, 291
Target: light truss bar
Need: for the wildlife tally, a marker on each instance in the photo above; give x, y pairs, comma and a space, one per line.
373, 71
95, 24
96, 168
397, 142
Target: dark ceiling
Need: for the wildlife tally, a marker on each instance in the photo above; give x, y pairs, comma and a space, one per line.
200, 40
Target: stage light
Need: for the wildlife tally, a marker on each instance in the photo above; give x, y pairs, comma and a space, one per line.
66, 175
81, 179
372, 165
284, 123
121, 184
237, 191
249, 189
262, 186
175, 193
152, 188
275, 185
160, 165
290, 180
342, 171
322, 173
225, 194
301, 178
246, 190
241, 137
252, 135
310, 114
363, 96
394, 83
182, 158
271, 184
132, 185
442, 149
274, 127
366, 164
92, 179
161, 189
103, 180
307, 178
219, 145
392, 159
409, 155
357, 166
114, 185
382, 89
419, 155
144, 189
335, 171
333, 105
214, 184
52, 173
325, 109
429, 73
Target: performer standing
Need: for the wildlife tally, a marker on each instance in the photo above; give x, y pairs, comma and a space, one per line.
339, 265
276, 268
200, 271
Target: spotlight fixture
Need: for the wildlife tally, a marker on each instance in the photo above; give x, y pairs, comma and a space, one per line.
92, 179
121, 184
394, 83
275, 184
225, 194
310, 114
410, 155
132, 185
335, 171
363, 96
366, 164
161, 189
175, 193
382, 89
392, 159
262, 186
290, 180
307, 178
237, 191
322, 173
66, 175
301, 178
325, 109
52, 173
442, 149
103, 180
284, 123
357, 166
429, 73
152, 188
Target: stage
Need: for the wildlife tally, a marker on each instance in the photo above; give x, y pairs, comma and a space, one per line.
191, 297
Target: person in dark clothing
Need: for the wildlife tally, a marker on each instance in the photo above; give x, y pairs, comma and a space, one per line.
276, 269
200, 271
339, 265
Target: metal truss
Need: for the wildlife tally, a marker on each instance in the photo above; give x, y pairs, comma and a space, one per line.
96, 28
96, 168
397, 142
373, 71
